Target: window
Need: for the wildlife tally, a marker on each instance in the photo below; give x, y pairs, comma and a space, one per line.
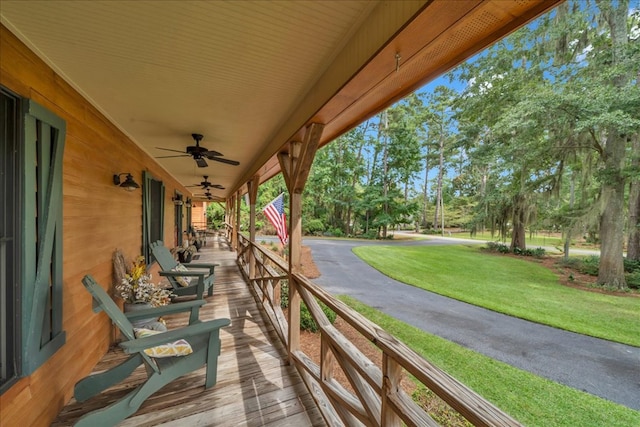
153, 213
32, 147
9, 238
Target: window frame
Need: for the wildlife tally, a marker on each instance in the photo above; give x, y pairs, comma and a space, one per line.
10, 238
153, 197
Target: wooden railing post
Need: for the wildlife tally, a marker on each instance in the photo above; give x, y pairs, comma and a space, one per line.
391, 377
252, 187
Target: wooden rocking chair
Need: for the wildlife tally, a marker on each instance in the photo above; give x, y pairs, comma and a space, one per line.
203, 337
200, 280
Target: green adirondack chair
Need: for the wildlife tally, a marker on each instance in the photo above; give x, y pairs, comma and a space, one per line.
203, 337
200, 280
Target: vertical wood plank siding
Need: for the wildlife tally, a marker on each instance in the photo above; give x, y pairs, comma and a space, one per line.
98, 217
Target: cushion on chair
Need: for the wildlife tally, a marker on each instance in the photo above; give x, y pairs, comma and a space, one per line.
171, 349
182, 280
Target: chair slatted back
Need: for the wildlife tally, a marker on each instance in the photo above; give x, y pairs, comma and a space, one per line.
106, 304
163, 256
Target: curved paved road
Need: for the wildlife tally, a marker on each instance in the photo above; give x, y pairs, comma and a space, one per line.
603, 368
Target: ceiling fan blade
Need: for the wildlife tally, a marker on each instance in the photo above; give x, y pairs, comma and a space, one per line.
223, 160
211, 153
218, 186
169, 149
202, 163
168, 157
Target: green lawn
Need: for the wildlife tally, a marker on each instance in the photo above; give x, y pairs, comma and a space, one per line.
533, 241
532, 400
512, 286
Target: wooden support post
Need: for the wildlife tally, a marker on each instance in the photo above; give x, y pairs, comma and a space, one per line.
236, 229
391, 377
252, 187
296, 165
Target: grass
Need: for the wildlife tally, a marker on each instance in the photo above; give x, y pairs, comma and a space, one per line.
508, 285
533, 241
532, 400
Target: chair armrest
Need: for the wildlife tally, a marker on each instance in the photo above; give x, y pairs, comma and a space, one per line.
210, 266
200, 288
141, 344
182, 273
166, 309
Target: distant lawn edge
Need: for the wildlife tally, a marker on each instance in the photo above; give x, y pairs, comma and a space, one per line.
512, 286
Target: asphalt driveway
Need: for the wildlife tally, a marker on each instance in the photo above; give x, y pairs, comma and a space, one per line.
603, 368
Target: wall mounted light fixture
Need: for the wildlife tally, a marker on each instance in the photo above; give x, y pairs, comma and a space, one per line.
129, 184
188, 203
177, 200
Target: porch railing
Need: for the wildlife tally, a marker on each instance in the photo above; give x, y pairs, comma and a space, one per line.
372, 394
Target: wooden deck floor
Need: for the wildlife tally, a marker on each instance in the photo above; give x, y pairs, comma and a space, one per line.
255, 385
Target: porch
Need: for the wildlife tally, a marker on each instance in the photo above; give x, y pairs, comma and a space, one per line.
256, 386
265, 372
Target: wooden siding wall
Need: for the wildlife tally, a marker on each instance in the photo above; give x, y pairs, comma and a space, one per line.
199, 215
98, 218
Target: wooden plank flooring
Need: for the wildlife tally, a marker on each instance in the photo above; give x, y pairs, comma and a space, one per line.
255, 385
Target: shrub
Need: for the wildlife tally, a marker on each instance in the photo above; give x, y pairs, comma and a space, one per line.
337, 232
633, 279
498, 247
372, 234
631, 265
504, 249
538, 252
590, 265
314, 227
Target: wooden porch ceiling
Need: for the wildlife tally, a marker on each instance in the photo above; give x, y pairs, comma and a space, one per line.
251, 75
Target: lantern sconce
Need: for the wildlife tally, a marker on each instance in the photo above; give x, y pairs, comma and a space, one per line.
188, 203
177, 200
129, 184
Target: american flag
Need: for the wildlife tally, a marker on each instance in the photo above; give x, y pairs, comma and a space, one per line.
274, 211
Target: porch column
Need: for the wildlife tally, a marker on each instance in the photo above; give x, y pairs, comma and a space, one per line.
232, 215
252, 187
295, 166
236, 229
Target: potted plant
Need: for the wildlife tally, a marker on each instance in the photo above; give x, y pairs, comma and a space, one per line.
138, 292
186, 252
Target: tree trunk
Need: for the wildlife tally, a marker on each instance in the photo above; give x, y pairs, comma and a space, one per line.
425, 193
385, 170
633, 245
611, 271
569, 230
518, 236
439, 185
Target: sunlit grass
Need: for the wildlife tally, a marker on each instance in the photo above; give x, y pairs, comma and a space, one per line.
507, 285
532, 400
532, 241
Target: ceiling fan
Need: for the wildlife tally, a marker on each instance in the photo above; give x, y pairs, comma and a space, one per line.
207, 195
199, 153
207, 184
